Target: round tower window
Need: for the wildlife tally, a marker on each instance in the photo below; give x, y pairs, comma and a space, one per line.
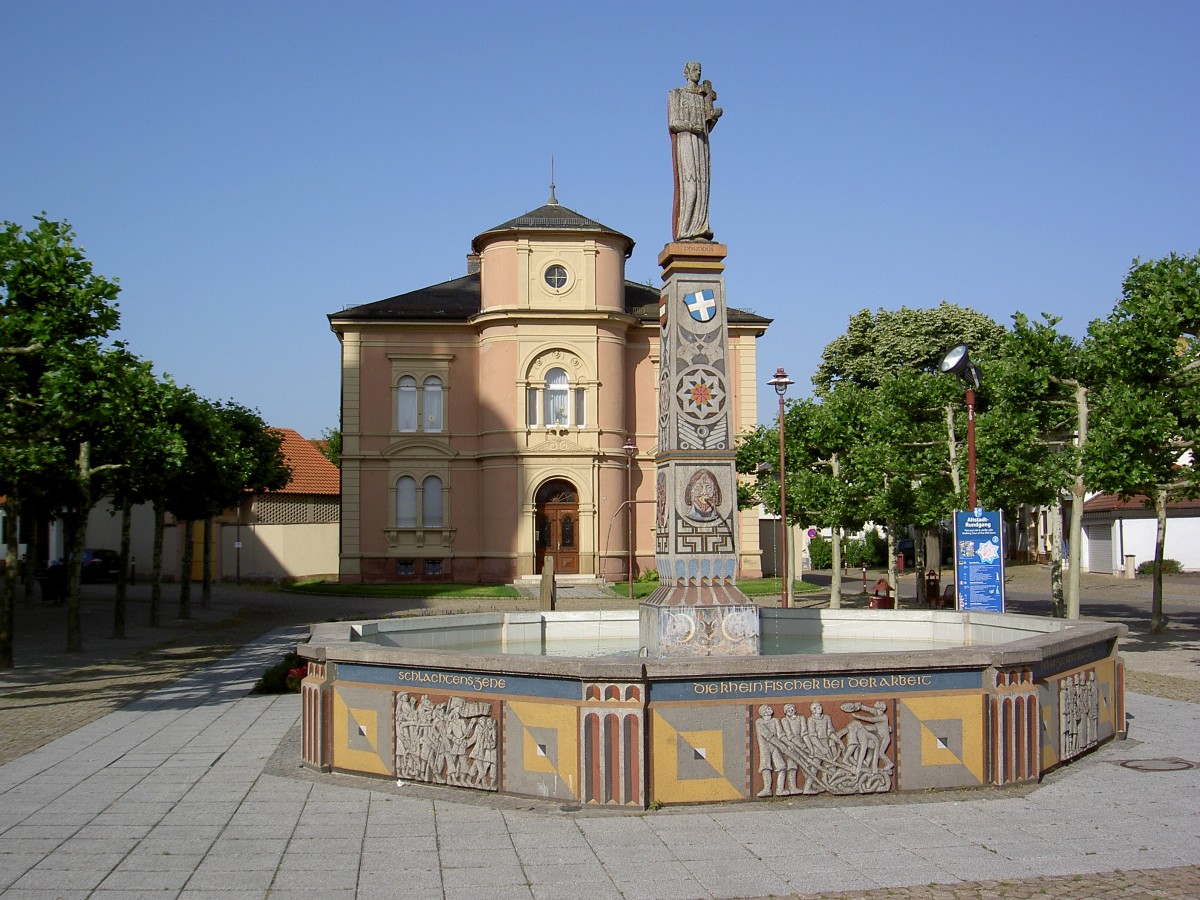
556, 277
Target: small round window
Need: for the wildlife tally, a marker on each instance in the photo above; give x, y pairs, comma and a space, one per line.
556, 277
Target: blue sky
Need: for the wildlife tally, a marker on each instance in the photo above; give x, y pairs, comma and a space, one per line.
245, 168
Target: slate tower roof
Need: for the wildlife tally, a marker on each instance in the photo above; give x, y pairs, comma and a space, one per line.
553, 217
459, 299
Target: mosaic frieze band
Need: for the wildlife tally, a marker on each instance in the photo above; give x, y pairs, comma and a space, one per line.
702, 740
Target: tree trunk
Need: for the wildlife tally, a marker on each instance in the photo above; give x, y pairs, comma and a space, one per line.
1077, 495
75, 523
156, 565
1057, 597
952, 446
33, 552
206, 557
123, 572
893, 575
835, 581
919, 567
185, 571
1158, 621
9, 603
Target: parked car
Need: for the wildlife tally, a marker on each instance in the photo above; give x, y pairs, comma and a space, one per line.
101, 565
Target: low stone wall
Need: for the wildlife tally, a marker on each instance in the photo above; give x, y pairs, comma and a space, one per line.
635, 731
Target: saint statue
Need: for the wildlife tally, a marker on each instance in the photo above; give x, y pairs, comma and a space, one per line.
691, 115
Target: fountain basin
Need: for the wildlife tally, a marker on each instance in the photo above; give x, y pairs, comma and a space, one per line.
988, 699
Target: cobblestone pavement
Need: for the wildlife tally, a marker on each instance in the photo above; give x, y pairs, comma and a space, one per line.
172, 794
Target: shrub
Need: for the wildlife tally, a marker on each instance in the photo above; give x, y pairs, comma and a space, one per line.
649, 575
855, 554
284, 677
1170, 567
876, 549
820, 552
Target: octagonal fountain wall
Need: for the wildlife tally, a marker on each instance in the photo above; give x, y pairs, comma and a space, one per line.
988, 699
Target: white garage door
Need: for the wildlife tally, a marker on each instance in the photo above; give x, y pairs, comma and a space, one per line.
1100, 552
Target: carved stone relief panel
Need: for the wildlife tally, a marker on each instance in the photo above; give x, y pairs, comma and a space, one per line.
448, 742
1078, 713
816, 754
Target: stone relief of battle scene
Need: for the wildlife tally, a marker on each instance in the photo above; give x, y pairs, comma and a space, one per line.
846, 752
448, 740
1078, 713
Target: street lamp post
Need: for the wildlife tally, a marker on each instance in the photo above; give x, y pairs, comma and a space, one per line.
630, 449
957, 361
780, 382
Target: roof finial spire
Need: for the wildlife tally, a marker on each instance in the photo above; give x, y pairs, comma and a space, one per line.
553, 201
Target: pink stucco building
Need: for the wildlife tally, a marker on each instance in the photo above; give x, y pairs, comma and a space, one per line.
484, 418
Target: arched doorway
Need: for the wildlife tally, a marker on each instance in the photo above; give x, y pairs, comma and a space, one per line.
557, 525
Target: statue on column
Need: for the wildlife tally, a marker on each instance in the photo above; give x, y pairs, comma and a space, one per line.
691, 115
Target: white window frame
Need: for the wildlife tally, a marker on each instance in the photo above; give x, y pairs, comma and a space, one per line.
420, 385
556, 394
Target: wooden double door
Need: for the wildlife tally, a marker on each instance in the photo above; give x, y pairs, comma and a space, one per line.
557, 523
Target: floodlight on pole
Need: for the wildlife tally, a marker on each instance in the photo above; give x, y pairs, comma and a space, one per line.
631, 450
957, 362
781, 382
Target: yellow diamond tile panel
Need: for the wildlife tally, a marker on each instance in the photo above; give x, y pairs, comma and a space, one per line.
689, 763
358, 742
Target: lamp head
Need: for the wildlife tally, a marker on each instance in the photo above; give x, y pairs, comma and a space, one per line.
781, 381
957, 362
629, 447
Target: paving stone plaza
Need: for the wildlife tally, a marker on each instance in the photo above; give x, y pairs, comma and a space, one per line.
194, 790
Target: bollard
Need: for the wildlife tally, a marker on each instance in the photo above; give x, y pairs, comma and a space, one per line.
547, 595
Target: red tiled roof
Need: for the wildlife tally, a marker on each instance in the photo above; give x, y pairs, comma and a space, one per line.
1103, 503
312, 473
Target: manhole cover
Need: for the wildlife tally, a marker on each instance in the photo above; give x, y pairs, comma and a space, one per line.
1169, 764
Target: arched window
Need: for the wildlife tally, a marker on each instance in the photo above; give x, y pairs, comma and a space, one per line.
431, 401
431, 502
558, 388
406, 502
554, 402
406, 404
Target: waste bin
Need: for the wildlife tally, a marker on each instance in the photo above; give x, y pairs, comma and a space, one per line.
53, 582
933, 587
882, 597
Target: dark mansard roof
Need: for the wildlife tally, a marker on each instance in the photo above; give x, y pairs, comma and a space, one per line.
458, 300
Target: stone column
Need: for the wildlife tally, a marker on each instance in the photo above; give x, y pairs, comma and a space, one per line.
697, 609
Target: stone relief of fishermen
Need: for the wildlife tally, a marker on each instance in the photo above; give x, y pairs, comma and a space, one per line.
446, 743
808, 755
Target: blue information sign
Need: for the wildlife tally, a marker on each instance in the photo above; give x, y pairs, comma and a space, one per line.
979, 560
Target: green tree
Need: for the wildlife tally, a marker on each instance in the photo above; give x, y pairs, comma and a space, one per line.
908, 460
882, 342
53, 311
149, 447
820, 489
908, 450
1031, 436
1146, 408
230, 451
331, 445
